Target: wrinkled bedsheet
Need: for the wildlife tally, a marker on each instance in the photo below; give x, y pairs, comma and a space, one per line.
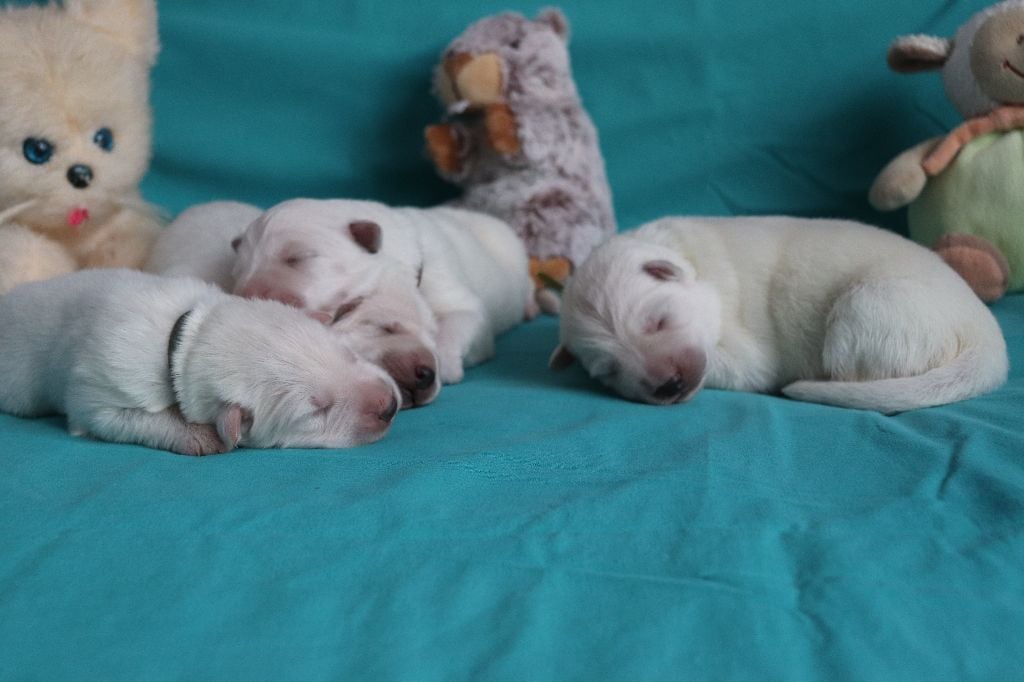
530, 524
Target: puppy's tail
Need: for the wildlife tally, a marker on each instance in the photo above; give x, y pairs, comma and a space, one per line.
980, 366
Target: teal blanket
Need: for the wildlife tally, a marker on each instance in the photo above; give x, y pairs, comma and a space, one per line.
529, 524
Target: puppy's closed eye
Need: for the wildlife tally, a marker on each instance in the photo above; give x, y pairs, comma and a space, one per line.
294, 260
391, 328
347, 308
657, 324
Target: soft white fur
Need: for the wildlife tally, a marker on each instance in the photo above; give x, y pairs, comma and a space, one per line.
391, 326
821, 310
198, 242
94, 345
472, 269
64, 74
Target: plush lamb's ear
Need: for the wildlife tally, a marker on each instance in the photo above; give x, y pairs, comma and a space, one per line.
553, 17
561, 358
366, 233
132, 24
663, 271
233, 424
912, 54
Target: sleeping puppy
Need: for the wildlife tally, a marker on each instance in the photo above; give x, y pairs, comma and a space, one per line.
174, 363
470, 268
390, 327
198, 242
822, 310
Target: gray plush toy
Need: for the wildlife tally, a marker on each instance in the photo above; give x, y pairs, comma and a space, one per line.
517, 140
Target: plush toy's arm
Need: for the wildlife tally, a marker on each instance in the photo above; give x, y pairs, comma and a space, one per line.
450, 147
903, 179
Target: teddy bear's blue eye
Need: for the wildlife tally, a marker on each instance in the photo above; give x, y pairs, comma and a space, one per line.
104, 139
37, 150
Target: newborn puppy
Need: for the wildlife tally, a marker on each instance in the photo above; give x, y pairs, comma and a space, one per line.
198, 242
391, 326
173, 363
822, 310
396, 331
470, 268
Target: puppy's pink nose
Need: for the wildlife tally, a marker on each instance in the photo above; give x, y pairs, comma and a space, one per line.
389, 412
424, 377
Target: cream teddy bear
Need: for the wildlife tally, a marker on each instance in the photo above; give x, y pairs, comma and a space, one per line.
74, 137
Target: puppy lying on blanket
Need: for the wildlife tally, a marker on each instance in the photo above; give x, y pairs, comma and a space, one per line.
323, 256
821, 310
390, 326
173, 363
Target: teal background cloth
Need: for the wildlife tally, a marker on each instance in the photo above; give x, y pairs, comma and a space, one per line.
529, 524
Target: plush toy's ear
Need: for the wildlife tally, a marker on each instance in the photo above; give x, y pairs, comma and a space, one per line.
132, 24
233, 424
366, 233
912, 54
561, 358
553, 17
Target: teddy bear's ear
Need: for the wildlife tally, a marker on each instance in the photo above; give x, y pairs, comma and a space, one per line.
132, 24
911, 54
553, 17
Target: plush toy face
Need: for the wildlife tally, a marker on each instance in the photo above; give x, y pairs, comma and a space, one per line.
982, 66
506, 58
74, 112
997, 56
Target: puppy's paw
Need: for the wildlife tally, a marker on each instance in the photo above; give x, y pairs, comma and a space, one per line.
450, 367
200, 440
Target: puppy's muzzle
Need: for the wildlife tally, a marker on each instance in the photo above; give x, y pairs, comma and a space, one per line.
685, 377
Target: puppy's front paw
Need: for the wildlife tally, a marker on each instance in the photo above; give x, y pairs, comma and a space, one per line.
200, 440
450, 367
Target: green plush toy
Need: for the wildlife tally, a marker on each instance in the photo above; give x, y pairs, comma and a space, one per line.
965, 190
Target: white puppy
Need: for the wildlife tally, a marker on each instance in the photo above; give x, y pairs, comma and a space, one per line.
822, 310
136, 358
198, 242
392, 326
470, 268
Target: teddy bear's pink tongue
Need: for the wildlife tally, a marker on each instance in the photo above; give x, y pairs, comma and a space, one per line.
77, 216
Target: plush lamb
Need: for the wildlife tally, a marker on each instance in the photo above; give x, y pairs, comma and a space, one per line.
518, 141
74, 137
964, 189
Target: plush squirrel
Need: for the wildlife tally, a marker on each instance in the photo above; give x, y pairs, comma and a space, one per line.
74, 137
965, 190
518, 141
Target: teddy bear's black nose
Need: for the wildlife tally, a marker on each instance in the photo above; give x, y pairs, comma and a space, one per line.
79, 176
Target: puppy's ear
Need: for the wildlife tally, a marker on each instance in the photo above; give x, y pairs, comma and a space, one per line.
132, 24
663, 271
320, 316
912, 54
233, 424
235, 243
553, 17
366, 233
561, 358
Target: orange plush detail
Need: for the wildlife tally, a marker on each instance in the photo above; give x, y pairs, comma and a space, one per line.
1001, 120
502, 131
443, 146
982, 265
544, 272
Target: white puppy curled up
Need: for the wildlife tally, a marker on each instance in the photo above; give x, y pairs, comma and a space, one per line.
826, 311
198, 242
176, 364
391, 326
470, 268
